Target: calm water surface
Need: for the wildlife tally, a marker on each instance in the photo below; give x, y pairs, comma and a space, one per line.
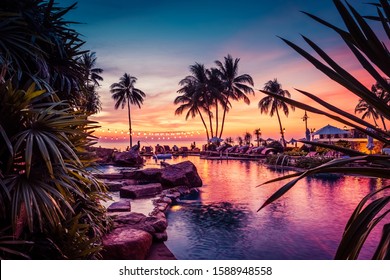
221, 220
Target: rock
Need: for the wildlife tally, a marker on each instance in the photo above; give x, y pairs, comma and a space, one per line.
120, 206
103, 155
180, 174
152, 225
128, 158
138, 191
159, 251
126, 244
160, 236
152, 175
113, 186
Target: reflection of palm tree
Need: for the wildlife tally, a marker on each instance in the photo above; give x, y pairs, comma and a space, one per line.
235, 87
125, 92
272, 105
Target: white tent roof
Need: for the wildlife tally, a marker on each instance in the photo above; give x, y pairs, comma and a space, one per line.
329, 130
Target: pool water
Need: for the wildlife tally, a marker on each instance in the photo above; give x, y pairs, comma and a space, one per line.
221, 220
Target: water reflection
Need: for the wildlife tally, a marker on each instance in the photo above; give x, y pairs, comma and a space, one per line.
306, 223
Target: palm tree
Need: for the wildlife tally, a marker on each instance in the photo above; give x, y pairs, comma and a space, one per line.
90, 103
272, 105
91, 73
367, 110
191, 104
257, 132
247, 138
235, 86
199, 94
384, 95
124, 93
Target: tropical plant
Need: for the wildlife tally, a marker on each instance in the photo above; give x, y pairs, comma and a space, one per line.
43, 181
196, 96
247, 138
45, 137
210, 90
373, 55
235, 86
257, 132
367, 110
271, 104
124, 93
37, 45
90, 103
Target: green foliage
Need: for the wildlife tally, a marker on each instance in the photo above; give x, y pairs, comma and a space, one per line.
43, 183
38, 46
374, 57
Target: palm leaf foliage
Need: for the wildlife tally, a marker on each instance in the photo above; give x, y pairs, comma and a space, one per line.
208, 92
371, 52
49, 203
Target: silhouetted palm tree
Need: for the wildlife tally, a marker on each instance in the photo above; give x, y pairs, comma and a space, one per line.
91, 73
383, 94
367, 110
235, 86
271, 105
90, 102
124, 93
257, 132
191, 104
247, 138
197, 87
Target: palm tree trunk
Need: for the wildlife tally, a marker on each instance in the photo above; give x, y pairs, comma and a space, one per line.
216, 118
223, 117
130, 130
210, 121
205, 126
281, 129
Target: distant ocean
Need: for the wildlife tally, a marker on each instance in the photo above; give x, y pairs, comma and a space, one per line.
122, 144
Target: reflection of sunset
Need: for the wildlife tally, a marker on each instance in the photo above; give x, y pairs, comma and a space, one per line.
306, 223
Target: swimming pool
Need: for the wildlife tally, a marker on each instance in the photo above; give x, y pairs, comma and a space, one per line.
221, 220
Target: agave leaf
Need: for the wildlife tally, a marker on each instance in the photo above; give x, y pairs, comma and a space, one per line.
6, 140
361, 204
384, 21
358, 230
382, 250
289, 185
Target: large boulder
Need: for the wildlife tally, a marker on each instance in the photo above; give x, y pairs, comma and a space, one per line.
128, 158
180, 174
126, 243
156, 226
172, 175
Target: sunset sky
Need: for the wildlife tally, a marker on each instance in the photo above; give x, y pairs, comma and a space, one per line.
157, 41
